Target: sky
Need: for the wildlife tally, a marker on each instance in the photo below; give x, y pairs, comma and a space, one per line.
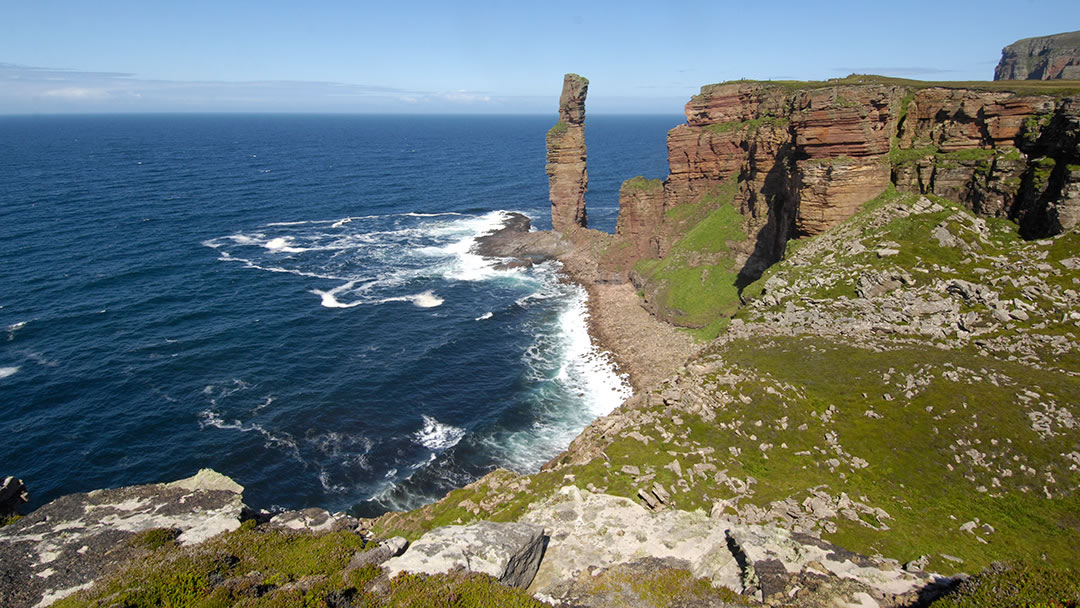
420, 56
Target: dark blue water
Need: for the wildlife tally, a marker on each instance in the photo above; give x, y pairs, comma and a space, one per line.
291, 300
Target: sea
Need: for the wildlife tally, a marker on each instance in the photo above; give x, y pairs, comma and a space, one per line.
292, 300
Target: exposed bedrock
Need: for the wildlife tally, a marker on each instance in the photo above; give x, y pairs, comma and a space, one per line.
795, 159
567, 176
67, 544
1043, 58
805, 159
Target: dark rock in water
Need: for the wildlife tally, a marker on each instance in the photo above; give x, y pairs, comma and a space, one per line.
514, 240
69, 543
12, 495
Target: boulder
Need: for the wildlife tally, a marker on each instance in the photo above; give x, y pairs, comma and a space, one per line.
12, 495
590, 530
385, 550
510, 552
314, 520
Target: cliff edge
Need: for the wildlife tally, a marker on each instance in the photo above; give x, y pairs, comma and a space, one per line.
1055, 57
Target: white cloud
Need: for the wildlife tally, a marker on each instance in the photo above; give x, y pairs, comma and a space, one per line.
77, 93
464, 97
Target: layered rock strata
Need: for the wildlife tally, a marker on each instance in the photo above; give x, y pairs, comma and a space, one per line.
1042, 58
567, 176
801, 159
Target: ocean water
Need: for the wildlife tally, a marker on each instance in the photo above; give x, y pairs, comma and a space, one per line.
291, 300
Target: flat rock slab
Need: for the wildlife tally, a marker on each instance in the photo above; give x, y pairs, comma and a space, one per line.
313, 520
67, 544
510, 552
597, 529
602, 530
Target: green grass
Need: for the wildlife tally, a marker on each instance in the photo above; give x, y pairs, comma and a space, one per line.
557, 129
748, 126
695, 284
1021, 87
1017, 585
269, 568
641, 184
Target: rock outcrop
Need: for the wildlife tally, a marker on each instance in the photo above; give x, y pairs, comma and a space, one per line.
510, 552
597, 530
12, 496
72, 541
797, 159
567, 176
1042, 58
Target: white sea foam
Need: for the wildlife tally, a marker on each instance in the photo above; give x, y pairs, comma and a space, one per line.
375, 262
14, 327
584, 365
574, 381
281, 441
426, 299
484, 317
438, 436
299, 223
6, 372
329, 298
283, 244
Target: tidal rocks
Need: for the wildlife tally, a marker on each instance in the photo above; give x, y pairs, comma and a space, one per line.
515, 240
69, 543
510, 552
1042, 58
12, 495
567, 176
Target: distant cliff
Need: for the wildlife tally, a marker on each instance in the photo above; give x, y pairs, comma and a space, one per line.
1042, 58
759, 163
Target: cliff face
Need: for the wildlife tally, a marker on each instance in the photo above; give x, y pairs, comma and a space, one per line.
567, 176
796, 159
1042, 58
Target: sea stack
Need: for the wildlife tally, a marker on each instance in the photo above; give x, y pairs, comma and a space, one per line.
567, 177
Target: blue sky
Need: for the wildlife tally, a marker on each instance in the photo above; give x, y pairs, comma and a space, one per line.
60, 56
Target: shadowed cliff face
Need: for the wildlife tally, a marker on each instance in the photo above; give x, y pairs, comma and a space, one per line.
1043, 58
796, 160
567, 175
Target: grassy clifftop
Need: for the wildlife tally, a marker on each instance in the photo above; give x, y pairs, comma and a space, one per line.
905, 384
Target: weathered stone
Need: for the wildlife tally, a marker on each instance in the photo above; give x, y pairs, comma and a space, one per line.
385, 550
12, 496
313, 520
509, 552
1041, 58
72, 541
590, 529
568, 178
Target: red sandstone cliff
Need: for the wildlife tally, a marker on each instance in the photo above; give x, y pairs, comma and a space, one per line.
567, 176
797, 159
806, 157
